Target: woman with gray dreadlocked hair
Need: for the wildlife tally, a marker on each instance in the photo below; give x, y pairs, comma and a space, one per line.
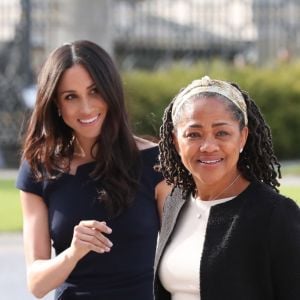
226, 231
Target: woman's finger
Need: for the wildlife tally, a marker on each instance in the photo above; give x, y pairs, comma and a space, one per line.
91, 241
101, 226
92, 235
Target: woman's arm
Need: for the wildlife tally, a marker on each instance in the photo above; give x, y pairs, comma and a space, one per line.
43, 272
285, 249
162, 190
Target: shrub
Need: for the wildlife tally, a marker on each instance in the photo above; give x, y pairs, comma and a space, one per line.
276, 90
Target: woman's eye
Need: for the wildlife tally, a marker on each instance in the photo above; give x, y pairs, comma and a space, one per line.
94, 91
70, 97
222, 133
193, 135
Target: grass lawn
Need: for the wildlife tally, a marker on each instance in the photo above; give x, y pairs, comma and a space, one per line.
291, 192
10, 210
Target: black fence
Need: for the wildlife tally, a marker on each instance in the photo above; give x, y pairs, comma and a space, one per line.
146, 34
155, 33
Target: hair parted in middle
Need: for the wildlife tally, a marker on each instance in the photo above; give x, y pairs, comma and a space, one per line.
256, 161
49, 141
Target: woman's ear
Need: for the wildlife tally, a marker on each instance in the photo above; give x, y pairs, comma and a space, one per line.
244, 136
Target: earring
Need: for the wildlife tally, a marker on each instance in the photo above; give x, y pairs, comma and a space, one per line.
241, 150
59, 112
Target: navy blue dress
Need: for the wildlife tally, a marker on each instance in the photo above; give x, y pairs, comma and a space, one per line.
126, 272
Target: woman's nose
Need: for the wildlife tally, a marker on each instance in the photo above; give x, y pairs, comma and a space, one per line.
86, 106
209, 145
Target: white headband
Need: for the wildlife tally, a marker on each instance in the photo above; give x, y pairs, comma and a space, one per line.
205, 84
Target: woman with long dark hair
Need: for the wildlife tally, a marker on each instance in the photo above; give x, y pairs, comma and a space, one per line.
88, 186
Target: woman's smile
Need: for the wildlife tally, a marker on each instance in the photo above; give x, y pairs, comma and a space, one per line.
210, 161
90, 121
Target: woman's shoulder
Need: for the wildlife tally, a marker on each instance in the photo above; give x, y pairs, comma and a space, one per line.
267, 197
144, 144
148, 149
149, 160
26, 180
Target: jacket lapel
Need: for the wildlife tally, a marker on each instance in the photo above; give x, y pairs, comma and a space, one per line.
172, 208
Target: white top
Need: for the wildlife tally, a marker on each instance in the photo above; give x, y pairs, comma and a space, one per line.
179, 269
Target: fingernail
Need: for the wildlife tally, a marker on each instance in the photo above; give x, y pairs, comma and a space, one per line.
109, 230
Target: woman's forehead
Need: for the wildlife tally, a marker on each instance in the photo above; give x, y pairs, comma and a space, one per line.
205, 105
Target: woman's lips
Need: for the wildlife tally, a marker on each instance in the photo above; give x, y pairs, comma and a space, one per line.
210, 161
89, 121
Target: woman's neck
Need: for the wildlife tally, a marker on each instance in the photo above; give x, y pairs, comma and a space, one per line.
215, 191
83, 150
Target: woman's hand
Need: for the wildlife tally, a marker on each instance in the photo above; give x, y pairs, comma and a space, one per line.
45, 273
89, 236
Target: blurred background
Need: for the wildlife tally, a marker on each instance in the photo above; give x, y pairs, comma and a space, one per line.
159, 47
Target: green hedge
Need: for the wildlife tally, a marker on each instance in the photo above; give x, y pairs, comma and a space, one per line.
276, 90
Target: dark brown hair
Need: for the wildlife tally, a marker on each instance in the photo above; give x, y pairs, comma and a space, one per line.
48, 140
257, 161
